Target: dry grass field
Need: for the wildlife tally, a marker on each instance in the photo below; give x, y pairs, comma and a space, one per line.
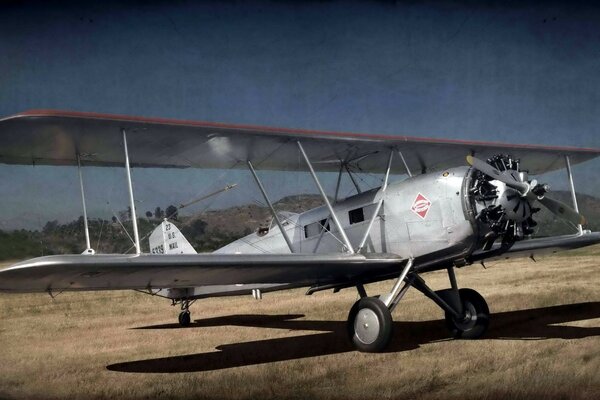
543, 342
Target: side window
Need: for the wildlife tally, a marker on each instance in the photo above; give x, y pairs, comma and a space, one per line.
357, 215
315, 228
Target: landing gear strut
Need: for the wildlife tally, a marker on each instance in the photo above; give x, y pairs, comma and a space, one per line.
370, 324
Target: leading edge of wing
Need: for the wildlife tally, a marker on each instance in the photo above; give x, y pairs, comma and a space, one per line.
40, 113
148, 271
540, 246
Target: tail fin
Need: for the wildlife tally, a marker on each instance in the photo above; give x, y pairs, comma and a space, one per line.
167, 239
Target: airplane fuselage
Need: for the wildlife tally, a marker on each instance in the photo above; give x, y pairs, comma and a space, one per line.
425, 215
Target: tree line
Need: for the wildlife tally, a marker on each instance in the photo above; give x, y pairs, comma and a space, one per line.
108, 235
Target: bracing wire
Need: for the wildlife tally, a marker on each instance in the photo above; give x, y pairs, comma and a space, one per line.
122, 226
214, 197
100, 234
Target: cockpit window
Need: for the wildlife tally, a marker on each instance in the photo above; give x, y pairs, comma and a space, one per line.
315, 228
357, 215
361, 214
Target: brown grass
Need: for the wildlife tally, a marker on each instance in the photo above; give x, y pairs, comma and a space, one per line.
544, 342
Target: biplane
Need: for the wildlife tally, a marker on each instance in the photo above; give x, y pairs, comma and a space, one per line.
460, 203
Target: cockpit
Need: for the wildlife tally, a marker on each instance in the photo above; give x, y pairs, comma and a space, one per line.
286, 219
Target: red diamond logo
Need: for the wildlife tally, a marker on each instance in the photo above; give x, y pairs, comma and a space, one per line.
421, 206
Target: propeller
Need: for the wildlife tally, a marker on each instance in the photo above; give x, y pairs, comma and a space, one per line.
562, 210
531, 190
506, 177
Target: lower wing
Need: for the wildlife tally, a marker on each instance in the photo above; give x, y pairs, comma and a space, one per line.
148, 271
539, 246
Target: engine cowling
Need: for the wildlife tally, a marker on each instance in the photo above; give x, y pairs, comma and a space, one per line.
502, 212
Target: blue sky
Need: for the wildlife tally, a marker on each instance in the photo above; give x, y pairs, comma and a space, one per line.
512, 71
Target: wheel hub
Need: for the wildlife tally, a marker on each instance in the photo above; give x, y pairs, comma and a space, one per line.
469, 320
366, 326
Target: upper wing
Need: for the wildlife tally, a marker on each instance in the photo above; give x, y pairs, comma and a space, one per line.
147, 271
55, 137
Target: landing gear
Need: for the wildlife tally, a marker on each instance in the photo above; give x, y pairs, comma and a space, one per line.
370, 325
185, 318
475, 319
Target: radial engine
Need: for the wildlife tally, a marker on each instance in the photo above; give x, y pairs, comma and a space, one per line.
504, 198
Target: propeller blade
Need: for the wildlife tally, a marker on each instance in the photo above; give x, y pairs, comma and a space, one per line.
495, 174
562, 210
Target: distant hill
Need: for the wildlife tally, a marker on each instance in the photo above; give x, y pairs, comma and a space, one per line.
247, 218
213, 229
206, 231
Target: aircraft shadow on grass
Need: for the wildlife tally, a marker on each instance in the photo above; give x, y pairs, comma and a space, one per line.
531, 324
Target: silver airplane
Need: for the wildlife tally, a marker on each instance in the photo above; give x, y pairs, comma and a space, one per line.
449, 212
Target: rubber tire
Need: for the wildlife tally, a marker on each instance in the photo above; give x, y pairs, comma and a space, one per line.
384, 318
185, 319
474, 329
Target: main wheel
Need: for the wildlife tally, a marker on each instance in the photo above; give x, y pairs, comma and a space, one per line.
370, 325
476, 316
185, 318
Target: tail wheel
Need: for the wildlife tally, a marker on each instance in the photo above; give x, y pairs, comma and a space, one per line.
475, 320
185, 318
370, 325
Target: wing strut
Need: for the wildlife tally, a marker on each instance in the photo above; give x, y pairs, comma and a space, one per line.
337, 184
326, 200
335, 199
379, 203
136, 235
572, 187
273, 213
405, 164
88, 247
